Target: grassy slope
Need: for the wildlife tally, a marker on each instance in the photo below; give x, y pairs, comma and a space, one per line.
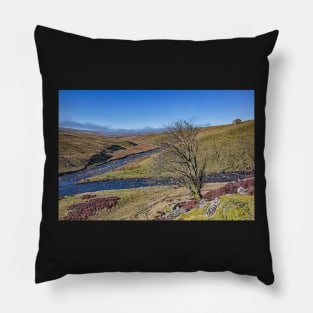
228, 147
135, 203
77, 149
234, 143
231, 208
139, 168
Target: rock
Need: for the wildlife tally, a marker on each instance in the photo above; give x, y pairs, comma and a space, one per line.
173, 206
242, 191
176, 213
202, 203
212, 207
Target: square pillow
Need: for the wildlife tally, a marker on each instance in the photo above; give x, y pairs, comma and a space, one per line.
154, 155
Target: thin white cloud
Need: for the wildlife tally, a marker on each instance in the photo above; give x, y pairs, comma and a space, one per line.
106, 129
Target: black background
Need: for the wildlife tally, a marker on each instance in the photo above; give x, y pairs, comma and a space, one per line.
73, 62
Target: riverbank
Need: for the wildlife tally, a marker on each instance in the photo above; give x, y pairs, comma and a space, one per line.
120, 175
134, 203
68, 183
142, 168
72, 186
87, 167
138, 168
162, 203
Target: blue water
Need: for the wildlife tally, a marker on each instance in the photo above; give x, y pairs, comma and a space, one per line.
68, 183
68, 188
103, 168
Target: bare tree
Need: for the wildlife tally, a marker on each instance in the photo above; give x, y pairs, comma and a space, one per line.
181, 158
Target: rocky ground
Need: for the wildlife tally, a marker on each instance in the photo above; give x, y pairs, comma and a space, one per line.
211, 200
221, 201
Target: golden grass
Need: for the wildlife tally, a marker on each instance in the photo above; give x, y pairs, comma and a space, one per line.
139, 168
77, 148
234, 143
135, 203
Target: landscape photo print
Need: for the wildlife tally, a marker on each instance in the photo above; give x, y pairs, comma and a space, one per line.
156, 155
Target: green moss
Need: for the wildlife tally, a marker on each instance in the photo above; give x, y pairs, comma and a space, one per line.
193, 215
230, 208
167, 210
234, 208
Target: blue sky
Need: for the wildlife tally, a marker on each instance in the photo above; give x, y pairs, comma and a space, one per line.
143, 109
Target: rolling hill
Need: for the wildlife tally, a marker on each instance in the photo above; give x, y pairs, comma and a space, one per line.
79, 149
228, 148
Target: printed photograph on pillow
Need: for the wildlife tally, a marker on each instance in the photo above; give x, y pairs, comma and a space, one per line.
157, 155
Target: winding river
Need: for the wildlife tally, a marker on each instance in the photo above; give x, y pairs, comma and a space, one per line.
68, 183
